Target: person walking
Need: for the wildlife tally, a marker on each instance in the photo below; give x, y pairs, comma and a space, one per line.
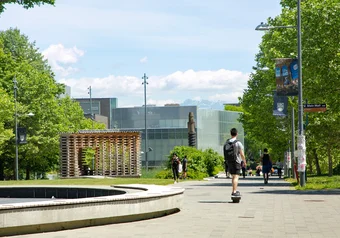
243, 167
266, 165
184, 167
233, 156
279, 166
174, 164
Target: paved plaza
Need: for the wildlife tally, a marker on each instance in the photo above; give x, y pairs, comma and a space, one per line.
271, 210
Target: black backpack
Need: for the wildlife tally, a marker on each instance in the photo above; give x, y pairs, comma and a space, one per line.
229, 151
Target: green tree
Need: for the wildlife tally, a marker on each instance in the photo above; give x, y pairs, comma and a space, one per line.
25, 3
38, 92
321, 64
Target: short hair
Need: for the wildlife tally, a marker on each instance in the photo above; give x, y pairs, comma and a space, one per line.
265, 150
174, 154
233, 132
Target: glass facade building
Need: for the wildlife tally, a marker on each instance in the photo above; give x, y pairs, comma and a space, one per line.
167, 128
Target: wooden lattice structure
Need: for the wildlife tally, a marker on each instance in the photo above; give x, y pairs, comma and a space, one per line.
116, 153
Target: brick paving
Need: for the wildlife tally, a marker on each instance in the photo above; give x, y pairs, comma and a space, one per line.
271, 210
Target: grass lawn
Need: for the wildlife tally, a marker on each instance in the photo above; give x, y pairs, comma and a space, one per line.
318, 183
90, 181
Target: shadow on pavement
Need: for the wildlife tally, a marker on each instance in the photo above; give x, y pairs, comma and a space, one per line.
240, 184
301, 192
215, 201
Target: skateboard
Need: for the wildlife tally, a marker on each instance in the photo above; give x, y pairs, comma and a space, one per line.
236, 199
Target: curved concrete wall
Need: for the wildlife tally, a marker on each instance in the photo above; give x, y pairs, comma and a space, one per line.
58, 214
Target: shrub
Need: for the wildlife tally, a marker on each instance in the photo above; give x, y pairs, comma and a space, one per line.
336, 170
164, 174
200, 163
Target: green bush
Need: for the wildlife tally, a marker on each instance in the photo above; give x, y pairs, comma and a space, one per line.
336, 170
212, 161
164, 174
200, 163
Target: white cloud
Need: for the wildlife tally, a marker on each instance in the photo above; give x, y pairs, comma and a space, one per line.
60, 57
221, 85
144, 60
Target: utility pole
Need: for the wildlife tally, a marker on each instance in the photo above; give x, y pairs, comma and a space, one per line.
90, 93
292, 156
16, 130
301, 139
146, 129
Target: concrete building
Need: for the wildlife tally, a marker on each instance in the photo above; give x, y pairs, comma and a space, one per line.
100, 106
167, 128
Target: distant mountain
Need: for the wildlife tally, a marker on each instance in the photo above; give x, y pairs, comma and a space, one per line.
204, 104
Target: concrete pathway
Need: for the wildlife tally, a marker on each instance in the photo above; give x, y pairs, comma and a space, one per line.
271, 210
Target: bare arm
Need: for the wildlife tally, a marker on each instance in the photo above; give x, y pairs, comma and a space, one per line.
243, 157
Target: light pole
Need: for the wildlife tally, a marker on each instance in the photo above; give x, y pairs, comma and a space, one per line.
16, 130
146, 128
22, 136
90, 93
301, 139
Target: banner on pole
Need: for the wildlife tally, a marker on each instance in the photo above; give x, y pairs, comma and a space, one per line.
287, 77
280, 105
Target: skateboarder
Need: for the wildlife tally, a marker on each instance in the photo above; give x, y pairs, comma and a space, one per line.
234, 155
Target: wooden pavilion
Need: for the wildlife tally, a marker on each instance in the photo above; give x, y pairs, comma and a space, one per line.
115, 153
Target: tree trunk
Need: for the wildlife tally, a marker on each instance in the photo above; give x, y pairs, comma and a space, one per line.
318, 170
2, 177
310, 164
330, 162
28, 173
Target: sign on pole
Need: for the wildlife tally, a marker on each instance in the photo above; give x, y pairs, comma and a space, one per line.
314, 107
280, 105
287, 77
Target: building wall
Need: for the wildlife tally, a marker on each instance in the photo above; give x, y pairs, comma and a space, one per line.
213, 128
100, 106
167, 127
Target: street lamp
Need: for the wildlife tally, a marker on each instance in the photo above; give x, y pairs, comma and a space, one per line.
266, 27
20, 133
92, 118
146, 129
301, 140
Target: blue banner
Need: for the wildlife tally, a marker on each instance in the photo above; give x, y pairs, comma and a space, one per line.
287, 77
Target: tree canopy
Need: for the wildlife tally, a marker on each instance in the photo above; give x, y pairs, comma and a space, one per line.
321, 73
25, 3
39, 93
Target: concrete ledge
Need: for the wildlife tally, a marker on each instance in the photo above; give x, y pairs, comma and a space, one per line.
149, 201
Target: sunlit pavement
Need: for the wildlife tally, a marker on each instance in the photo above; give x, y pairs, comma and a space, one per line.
271, 210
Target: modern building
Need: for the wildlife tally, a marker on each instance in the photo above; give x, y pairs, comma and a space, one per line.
100, 106
167, 128
67, 92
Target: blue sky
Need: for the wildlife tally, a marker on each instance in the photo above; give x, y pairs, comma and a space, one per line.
188, 48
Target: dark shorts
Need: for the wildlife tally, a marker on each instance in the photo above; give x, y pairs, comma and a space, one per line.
234, 168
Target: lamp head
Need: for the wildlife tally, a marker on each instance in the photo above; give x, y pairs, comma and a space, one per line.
262, 27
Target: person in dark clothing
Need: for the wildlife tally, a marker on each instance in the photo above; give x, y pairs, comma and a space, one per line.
184, 167
243, 167
174, 164
266, 165
279, 168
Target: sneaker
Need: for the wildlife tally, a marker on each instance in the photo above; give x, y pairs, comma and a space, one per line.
175, 182
237, 194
